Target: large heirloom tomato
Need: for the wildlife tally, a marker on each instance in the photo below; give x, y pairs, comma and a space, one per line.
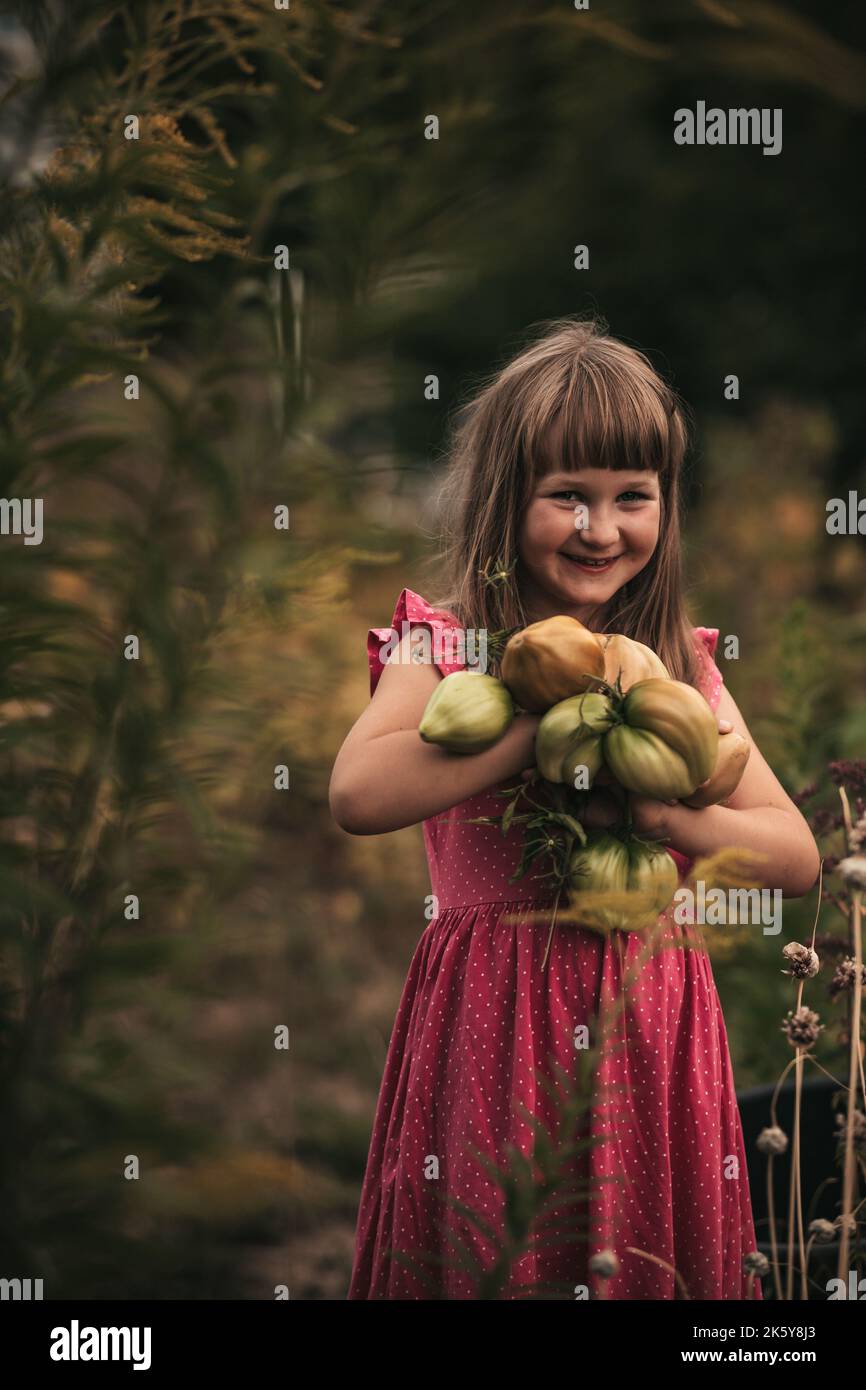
570, 736
730, 765
630, 660
666, 741
467, 712
548, 661
611, 864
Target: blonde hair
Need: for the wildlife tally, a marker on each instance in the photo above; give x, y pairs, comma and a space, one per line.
617, 413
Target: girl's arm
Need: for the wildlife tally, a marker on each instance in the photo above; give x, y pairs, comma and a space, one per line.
759, 816
386, 777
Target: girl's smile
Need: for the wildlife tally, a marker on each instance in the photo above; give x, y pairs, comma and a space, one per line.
592, 566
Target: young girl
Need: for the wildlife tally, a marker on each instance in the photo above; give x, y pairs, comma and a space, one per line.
578, 424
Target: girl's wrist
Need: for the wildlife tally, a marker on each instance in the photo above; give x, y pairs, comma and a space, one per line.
523, 730
651, 817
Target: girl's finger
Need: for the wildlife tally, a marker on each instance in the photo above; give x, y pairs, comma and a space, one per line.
725, 726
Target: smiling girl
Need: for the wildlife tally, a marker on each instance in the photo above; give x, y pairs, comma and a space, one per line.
564, 474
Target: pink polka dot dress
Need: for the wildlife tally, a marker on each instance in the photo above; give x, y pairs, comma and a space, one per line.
486, 1038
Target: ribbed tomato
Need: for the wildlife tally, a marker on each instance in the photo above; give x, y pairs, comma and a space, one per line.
550, 660
569, 736
467, 712
622, 865
630, 660
730, 765
666, 742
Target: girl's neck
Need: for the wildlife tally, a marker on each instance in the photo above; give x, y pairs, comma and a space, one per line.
537, 606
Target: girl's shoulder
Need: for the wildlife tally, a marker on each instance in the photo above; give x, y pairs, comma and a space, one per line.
706, 642
412, 610
708, 638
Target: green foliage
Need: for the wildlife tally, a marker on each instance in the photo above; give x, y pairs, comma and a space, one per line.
134, 782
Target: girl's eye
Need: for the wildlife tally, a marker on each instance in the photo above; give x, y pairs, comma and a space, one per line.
631, 492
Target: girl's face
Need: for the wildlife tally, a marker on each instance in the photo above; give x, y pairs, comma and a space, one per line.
621, 512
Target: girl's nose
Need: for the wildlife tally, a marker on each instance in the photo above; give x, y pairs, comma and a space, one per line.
600, 524
601, 535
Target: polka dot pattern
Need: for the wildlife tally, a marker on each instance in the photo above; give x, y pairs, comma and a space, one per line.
485, 1039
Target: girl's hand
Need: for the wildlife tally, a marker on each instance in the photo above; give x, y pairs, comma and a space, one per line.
605, 807
649, 816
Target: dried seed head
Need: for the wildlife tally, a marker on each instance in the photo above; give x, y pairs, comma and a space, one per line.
822, 1231
772, 1140
850, 773
853, 870
858, 835
839, 1224
803, 961
844, 976
858, 1127
756, 1263
802, 1026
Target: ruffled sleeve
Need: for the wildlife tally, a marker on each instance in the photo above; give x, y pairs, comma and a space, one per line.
447, 636
706, 641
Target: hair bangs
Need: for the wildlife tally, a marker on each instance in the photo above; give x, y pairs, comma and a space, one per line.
607, 416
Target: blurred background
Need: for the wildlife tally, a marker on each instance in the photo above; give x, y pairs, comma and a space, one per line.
198, 969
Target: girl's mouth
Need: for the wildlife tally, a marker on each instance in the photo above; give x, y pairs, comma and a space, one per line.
592, 567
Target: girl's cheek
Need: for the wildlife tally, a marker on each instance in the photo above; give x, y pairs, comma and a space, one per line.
538, 532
